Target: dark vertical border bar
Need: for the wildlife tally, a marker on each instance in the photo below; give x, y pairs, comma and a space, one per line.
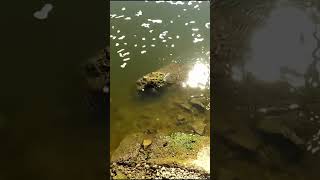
108, 176
212, 85
55, 142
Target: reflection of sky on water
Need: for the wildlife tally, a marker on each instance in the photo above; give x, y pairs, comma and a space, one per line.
285, 41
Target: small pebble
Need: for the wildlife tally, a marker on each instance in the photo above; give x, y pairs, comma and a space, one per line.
146, 143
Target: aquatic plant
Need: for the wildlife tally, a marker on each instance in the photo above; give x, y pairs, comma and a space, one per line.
186, 141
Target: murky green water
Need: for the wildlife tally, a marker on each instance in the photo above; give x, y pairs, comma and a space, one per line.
267, 59
146, 36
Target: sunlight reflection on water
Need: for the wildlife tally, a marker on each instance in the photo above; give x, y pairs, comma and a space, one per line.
198, 76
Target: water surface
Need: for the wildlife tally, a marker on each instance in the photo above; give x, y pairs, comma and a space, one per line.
146, 36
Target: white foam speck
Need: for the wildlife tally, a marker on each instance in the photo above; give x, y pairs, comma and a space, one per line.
113, 15
178, 16
123, 65
186, 24
152, 45
143, 39
143, 46
123, 9
207, 25
120, 50
153, 39
159, 1
112, 27
126, 54
155, 20
192, 22
117, 44
196, 6
125, 44
169, 37
127, 18
143, 52
195, 29
135, 45
176, 3
151, 31
177, 36
195, 40
184, 9
164, 33
119, 16
170, 54
171, 21
139, 13
122, 37
164, 40
198, 35
172, 45
192, 34
118, 31
147, 25
126, 59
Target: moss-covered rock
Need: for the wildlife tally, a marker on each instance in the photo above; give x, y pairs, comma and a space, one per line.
170, 74
183, 152
128, 150
153, 80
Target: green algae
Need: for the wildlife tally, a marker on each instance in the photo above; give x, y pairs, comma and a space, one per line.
186, 141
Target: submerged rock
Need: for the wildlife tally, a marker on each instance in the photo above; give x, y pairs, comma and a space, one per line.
180, 120
197, 103
277, 127
168, 75
198, 126
185, 107
152, 81
146, 143
128, 149
245, 138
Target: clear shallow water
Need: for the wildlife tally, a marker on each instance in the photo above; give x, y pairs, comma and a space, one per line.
146, 36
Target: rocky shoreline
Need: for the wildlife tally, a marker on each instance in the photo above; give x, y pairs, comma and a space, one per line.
178, 156
147, 171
